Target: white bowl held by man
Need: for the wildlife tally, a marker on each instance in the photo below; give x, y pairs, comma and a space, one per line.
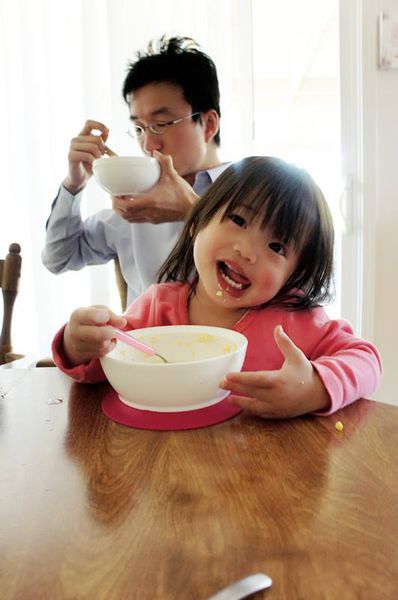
198, 358
126, 175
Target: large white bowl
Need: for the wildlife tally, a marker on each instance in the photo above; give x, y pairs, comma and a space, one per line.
199, 358
126, 175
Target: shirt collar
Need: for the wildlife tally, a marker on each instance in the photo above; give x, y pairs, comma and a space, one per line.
203, 179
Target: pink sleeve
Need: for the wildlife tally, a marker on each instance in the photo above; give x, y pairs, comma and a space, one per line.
90, 372
350, 367
142, 312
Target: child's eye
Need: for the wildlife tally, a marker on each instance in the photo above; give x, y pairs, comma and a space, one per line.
238, 220
278, 248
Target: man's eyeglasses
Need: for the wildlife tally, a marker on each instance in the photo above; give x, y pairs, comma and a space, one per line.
157, 128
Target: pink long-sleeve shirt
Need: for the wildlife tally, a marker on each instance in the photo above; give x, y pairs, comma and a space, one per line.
349, 367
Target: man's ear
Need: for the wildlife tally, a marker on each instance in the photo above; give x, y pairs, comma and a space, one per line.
211, 123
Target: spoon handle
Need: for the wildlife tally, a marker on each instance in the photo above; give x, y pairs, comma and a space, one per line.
244, 587
109, 152
132, 341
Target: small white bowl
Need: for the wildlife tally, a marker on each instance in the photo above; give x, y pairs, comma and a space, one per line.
199, 356
126, 175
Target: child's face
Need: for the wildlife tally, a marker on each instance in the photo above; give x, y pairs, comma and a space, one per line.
239, 264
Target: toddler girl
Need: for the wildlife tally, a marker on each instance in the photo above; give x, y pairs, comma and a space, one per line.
256, 256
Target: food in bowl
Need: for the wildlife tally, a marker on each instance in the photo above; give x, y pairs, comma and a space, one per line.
198, 358
126, 175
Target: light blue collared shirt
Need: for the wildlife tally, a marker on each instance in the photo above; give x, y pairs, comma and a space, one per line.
72, 243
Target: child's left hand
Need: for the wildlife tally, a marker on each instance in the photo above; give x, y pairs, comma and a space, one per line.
294, 390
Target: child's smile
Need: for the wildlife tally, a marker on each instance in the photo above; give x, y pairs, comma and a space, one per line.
231, 278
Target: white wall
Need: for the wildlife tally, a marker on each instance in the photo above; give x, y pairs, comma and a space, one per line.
381, 173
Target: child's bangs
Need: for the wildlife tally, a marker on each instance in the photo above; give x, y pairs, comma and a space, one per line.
290, 217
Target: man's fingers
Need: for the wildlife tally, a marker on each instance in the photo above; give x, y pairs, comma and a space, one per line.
91, 125
165, 161
94, 140
83, 157
87, 146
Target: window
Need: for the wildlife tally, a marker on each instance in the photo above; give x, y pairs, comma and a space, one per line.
278, 65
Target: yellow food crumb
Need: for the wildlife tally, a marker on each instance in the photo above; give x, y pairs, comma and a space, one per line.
339, 426
218, 293
205, 338
228, 348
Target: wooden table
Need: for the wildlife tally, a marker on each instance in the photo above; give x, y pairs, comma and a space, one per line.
91, 509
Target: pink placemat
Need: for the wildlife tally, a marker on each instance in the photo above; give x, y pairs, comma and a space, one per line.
117, 411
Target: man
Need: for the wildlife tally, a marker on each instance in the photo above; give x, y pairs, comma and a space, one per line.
173, 98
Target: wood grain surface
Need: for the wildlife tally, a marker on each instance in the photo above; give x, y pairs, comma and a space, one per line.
94, 510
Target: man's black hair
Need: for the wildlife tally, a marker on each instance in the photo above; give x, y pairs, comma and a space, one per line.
178, 60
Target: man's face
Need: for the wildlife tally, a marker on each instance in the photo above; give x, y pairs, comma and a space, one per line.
184, 141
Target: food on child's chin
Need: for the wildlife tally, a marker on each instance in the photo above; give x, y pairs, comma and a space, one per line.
339, 426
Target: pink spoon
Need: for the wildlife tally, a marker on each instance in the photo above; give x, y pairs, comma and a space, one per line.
132, 341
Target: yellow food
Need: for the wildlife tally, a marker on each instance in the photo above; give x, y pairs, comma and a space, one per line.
205, 338
339, 426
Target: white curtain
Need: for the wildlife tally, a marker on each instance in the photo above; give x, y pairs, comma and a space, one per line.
62, 62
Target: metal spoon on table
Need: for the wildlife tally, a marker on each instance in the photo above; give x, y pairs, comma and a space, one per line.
244, 587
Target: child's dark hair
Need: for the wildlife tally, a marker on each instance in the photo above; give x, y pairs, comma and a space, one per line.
284, 198
180, 61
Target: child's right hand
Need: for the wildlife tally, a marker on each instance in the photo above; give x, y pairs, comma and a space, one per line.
89, 333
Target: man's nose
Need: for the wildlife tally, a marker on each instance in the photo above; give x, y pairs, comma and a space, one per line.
150, 142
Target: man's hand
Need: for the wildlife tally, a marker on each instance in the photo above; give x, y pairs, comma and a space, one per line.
169, 200
83, 150
295, 389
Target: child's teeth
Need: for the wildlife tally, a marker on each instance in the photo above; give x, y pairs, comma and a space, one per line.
231, 282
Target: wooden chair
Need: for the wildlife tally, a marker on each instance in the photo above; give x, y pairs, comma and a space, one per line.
121, 284
10, 274
122, 288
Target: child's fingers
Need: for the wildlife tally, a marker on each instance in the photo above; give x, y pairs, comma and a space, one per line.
92, 340
91, 315
112, 318
288, 348
249, 383
94, 335
97, 315
260, 408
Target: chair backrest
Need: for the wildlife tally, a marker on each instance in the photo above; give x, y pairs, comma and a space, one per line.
10, 273
121, 284
122, 289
